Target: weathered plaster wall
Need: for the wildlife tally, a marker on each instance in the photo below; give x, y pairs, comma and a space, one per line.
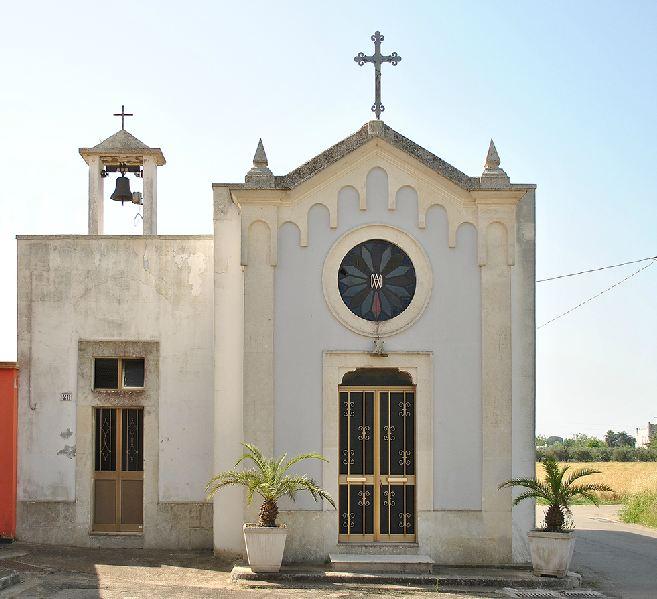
450, 327
114, 288
523, 334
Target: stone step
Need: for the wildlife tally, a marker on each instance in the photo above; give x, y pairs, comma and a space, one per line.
378, 549
355, 562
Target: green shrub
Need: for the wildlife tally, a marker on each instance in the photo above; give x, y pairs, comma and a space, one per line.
623, 454
640, 508
602, 454
646, 454
562, 453
582, 454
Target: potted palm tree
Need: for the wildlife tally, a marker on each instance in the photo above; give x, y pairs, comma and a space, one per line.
551, 547
269, 478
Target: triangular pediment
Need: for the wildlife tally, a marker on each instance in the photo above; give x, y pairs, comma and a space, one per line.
367, 133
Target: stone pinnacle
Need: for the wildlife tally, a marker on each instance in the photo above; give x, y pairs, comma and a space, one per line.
260, 157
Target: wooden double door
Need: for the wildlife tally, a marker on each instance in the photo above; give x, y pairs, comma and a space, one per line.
377, 484
118, 470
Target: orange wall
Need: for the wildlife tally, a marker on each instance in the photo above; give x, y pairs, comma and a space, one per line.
8, 428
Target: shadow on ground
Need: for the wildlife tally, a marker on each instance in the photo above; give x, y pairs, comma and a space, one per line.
52, 571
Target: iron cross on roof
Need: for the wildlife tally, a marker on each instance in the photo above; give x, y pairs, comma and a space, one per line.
377, 59
123, 114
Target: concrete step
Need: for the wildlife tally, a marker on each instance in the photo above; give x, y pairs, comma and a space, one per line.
405, 564
378, 548
445, 577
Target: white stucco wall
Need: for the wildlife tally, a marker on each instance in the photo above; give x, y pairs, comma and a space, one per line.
450, 327
523, 333
114, 288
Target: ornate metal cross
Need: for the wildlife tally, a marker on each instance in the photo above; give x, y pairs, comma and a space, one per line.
377, 59
123, 114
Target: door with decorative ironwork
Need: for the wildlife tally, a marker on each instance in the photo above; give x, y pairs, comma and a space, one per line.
377, 464
118, 470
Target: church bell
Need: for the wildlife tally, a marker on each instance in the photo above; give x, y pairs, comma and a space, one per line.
122, 192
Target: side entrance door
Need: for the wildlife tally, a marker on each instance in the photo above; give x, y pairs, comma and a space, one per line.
377, 464
118, 470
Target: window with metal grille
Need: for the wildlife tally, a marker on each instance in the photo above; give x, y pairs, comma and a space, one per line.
119, 373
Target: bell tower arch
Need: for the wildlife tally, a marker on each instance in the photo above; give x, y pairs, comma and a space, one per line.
125, 154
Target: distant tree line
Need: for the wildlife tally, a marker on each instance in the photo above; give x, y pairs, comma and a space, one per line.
616, 447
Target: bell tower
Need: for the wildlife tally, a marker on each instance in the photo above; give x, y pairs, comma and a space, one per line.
122, 153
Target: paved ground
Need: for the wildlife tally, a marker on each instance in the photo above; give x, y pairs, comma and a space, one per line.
72, 573
617, 559
620, 559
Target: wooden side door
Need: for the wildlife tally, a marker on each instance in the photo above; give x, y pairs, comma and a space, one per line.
118, 470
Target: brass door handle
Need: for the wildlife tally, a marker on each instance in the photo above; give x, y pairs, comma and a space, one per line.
356, 479
397, 481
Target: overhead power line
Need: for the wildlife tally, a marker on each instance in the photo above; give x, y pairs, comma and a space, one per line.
597, 295
584, 272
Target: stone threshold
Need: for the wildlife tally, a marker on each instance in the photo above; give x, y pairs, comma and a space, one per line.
440, 577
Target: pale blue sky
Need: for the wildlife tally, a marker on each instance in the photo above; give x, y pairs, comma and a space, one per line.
566, 89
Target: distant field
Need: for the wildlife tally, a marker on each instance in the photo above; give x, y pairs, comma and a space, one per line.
625, 478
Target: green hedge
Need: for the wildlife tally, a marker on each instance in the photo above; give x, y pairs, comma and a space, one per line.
597, 454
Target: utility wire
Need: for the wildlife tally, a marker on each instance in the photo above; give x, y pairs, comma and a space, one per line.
584, 272
597, 295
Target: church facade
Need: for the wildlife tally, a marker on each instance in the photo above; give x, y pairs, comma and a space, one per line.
375, 305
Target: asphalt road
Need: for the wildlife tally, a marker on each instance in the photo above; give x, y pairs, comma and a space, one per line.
617, 559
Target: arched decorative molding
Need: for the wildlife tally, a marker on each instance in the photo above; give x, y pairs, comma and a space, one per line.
326, 188
369, 183
304, 241
479, 207
503, 215
423, 274
392, 202
249, 237
340, 203
465, 224
295, 225
267, 215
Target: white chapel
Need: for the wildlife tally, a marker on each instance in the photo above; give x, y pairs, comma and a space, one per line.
374, 305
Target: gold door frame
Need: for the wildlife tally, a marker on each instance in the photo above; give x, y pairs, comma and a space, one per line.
378, 480
118, 475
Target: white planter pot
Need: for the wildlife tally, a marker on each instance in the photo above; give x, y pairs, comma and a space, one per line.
264, 547
551, 552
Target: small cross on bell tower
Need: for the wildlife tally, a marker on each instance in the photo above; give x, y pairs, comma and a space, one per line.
122, 153
123, 114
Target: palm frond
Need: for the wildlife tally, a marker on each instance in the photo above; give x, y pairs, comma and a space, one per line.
268, 478
576, 474
587, 491
527, 495
558, 486
529, 483
304, 456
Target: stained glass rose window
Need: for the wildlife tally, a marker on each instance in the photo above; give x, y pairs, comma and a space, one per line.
376, 280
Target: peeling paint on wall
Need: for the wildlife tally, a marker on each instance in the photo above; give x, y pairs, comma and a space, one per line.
197, 266
66, 434
68, 451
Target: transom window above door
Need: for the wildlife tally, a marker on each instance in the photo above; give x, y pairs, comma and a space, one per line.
118, 373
